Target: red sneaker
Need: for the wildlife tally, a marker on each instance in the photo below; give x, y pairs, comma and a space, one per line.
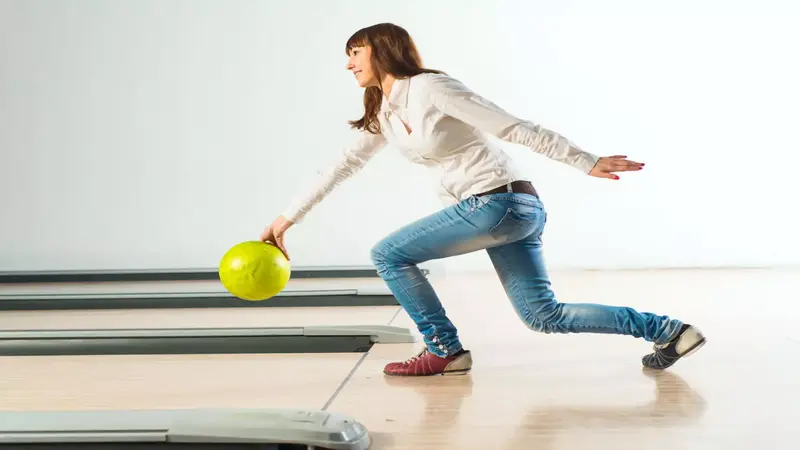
426, 363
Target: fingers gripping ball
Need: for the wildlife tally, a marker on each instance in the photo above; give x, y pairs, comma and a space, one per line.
254, 270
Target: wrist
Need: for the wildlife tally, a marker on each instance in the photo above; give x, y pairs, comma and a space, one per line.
284, 223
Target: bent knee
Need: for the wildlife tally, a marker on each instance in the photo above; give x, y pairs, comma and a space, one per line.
385, 256
379, 253
544, 317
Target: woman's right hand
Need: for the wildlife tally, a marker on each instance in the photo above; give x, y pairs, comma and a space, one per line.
607, 165
274, 234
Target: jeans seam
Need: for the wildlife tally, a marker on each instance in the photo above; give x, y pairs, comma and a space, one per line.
413, 299
534, 203
526, 310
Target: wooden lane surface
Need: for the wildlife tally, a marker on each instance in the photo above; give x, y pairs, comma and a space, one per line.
552, 392
179, 381
194, 286
192, 317
171, 381
197, 318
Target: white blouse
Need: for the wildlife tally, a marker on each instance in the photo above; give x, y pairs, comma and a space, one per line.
446, 122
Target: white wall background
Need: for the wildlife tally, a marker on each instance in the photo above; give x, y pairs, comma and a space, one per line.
157, 133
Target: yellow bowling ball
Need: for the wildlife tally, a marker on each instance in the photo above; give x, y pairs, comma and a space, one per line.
254, 270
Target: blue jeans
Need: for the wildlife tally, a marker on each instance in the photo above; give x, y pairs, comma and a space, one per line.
509, 227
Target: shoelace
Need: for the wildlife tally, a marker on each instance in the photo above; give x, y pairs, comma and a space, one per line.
416, 357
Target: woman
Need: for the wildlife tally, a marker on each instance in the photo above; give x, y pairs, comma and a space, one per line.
436, 121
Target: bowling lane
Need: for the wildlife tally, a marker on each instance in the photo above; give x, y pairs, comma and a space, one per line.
171, 381
178, 381
194, 286
196, 318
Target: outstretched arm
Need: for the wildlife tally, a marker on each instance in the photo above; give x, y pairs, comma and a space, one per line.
456, 100
354, 157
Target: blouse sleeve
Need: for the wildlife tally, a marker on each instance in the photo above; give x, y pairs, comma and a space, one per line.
353, 158
456, 100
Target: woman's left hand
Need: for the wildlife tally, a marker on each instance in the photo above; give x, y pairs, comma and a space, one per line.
607, 165
274, 234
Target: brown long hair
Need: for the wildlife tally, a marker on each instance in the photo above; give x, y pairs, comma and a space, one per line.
393, 52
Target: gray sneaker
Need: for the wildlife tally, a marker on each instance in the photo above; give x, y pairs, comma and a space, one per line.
688, 341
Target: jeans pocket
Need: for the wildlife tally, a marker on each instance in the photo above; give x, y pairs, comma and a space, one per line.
517, 222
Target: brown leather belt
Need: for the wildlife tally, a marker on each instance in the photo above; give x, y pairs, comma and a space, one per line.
520, 187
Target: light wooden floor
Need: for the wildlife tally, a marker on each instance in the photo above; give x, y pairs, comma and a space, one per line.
526, 391
204, 286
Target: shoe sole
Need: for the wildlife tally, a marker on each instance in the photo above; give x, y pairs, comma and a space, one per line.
443, 374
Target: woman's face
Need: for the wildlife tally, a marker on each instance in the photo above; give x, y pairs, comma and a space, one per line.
360, 63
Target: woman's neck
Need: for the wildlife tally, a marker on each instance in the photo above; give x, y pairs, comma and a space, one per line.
387, 82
